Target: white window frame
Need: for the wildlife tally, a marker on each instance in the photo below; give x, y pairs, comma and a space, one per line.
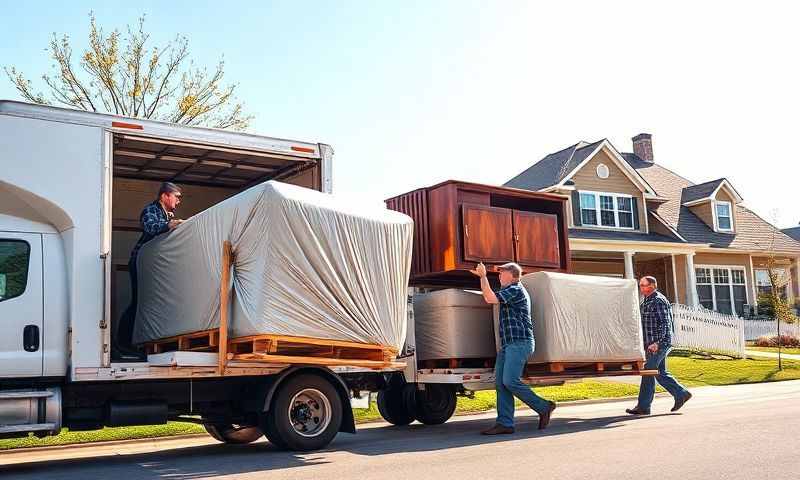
598, 210
713, 284
716, 216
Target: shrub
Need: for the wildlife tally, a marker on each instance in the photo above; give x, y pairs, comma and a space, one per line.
772, 341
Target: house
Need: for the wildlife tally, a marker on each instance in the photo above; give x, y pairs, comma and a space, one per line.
793, 232
633, 216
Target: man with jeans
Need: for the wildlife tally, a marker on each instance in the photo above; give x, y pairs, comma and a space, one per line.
516, 338
657, 329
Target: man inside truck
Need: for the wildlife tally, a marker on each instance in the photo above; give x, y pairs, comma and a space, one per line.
156, 218
517, 344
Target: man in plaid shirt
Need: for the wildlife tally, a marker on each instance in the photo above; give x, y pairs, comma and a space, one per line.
657, 331
156, 218
516, 338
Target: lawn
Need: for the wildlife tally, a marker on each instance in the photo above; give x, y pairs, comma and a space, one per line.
691, 369
791, 351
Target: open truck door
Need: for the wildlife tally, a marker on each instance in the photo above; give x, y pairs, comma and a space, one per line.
21, 312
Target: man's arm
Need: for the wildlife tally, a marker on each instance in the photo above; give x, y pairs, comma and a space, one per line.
486, 289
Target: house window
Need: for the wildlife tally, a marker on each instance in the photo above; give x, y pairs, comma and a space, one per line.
588, 209
722, 289
15, 256
723, 216
609, 210
764, 286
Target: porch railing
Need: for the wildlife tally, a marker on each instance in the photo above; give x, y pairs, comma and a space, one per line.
700, 329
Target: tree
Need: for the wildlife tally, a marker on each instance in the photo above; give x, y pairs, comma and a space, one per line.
126, 76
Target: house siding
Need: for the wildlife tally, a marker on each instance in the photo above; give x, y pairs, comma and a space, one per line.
584, 267
705, 213
586, 179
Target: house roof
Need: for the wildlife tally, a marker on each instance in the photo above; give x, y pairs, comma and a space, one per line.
752, 232
553, 168
793, 232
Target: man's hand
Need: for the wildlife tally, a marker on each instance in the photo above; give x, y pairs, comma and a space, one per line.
480, 270
174, 223
652, 348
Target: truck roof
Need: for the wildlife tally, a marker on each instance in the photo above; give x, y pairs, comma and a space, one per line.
161, 129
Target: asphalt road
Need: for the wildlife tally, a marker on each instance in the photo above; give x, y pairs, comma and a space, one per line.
737, 432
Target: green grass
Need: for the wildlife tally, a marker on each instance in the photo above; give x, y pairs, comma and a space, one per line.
789, 350
691, 369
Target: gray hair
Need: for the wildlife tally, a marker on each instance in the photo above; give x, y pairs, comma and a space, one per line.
168, 187
651, 280
511, 267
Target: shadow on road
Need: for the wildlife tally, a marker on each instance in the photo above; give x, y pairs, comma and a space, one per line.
214, 460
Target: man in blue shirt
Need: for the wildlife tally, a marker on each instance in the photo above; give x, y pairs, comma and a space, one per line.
517, 344
156, 218
657, 331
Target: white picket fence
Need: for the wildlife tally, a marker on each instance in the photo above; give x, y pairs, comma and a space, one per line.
758, 328
700, 329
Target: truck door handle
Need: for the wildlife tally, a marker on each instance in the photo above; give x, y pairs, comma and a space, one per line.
30, 338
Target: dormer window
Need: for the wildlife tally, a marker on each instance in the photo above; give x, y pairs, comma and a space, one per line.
723, 216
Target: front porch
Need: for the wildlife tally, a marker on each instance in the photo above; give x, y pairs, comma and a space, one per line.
723, 281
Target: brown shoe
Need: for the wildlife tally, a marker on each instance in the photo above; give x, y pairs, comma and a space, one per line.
680, 401
544, 418
637, 411
498, 430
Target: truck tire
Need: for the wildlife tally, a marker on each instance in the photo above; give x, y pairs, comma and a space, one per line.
436, 404
305, 415
395, 404
234, 434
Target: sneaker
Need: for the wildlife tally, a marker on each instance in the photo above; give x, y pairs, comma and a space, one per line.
498, 429
679, 402
544, 418
637, 411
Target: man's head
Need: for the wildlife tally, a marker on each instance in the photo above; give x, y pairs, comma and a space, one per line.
170, 196
509, 273
648, 285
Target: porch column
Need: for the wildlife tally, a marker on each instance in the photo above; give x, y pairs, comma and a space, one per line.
796, 279
674, 279
691, 285
629, 264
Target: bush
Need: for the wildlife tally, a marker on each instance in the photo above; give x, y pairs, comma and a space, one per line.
768, 305
773, 341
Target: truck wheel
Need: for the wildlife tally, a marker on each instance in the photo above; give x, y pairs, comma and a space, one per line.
305, 415
436, 404
395, 405
234, 434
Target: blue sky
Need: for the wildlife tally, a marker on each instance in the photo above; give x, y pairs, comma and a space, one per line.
412, 93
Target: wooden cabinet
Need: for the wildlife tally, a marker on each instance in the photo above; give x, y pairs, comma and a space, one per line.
458, 224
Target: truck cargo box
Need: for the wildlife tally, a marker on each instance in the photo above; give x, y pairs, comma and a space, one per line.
306, 264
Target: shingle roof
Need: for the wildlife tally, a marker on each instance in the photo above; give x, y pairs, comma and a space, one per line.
793, 232
614, 235
752, 232
553, 168
702, 190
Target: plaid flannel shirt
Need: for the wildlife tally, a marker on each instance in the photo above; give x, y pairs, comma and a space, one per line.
154, 221
516, 323
656, 320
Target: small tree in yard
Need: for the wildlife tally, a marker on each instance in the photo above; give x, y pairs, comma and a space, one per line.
125, 76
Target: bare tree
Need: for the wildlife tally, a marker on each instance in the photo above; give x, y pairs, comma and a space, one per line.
126, 76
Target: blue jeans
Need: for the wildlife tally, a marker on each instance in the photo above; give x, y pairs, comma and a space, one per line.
647, 389
508, 369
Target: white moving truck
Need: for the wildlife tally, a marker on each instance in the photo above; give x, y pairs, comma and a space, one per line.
72, 185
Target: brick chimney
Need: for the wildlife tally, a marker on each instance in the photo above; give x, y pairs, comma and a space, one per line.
643, 146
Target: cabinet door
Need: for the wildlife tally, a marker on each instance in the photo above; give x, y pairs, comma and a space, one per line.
536, 239
488, 234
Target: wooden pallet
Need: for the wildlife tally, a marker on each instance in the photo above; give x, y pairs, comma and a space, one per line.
456, 363
632, 367
205, 341
271, 346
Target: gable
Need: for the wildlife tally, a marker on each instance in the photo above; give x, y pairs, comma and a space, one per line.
617, 182
723, 195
